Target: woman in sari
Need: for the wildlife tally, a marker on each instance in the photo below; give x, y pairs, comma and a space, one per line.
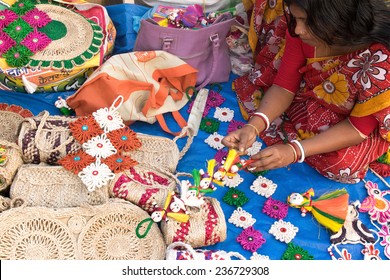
329, 103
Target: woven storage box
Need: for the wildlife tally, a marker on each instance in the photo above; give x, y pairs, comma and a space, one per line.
46, 138
104, 232
206, 226
53, 186
157, 151
11, 160
143, 186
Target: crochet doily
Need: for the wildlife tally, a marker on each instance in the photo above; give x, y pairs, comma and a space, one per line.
105, 232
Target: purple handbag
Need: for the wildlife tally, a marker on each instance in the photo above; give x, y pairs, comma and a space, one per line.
204, 49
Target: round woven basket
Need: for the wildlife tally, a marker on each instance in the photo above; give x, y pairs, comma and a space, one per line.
104, 232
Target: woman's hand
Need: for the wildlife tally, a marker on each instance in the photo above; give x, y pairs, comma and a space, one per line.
272, 157
240, 139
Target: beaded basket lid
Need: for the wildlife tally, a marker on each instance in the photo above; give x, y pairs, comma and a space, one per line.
47, 35
104, 232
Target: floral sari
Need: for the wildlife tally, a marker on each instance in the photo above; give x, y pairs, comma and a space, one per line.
333, 89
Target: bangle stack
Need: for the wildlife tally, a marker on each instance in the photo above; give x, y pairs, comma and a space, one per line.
263, 117
254, 127
294, 151
297, 145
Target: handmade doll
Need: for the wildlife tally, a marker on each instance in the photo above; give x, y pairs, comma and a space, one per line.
330, 209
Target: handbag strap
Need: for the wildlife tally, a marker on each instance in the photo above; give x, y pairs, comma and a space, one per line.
215, 41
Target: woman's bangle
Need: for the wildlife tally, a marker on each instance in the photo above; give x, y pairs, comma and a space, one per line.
302, 159
295, 153
254, 127
263, 117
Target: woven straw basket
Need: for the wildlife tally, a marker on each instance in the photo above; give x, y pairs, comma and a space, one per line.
45, 138
104, 232
10, 124
206, 226
143, 186
12, 159
53, 186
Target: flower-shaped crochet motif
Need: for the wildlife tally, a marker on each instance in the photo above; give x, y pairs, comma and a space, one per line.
223, 114
215, 141
215, 99
283, 231
99, 146
17, 56
36, 18
77, 161
109, 119
96, 175
36, 41
254, 149
241, 218
275, 208
5, 43
257, 257
235, 197
209, 125
232, 181
18, 29
124, 139
295, 252
84, 129
263, 186
234, 125
251, 239
118, 163
22, 6
6, 17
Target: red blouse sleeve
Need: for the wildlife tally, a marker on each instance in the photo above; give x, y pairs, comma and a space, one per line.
293, 59
364, 125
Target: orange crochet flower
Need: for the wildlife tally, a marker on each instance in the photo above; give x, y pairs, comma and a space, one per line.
85, 128
124, 139
77, 161
118, 163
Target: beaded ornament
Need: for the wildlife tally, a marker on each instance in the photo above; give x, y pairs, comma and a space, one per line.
263, 186
104, 137
275, 208
250, 239
223, 114
283, 231
295, 252
241, 218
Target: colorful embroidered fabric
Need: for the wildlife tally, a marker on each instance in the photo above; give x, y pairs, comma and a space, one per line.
295, 252
275, 208
104, 137
283, 231
241, 218
251, 239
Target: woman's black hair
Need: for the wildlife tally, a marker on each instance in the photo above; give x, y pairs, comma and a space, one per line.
345, 22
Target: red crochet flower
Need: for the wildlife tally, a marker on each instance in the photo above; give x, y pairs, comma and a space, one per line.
85, 128
124, 139
77, 161
118, 163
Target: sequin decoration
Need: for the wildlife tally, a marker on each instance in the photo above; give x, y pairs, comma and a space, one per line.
223, 114
275, 208
263, 186
295, 252
209, 125
234, 125
214, 141
241, 218
283, 231
257, 257
235, 197
232, 180
96, 175
251, 239
254, 149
